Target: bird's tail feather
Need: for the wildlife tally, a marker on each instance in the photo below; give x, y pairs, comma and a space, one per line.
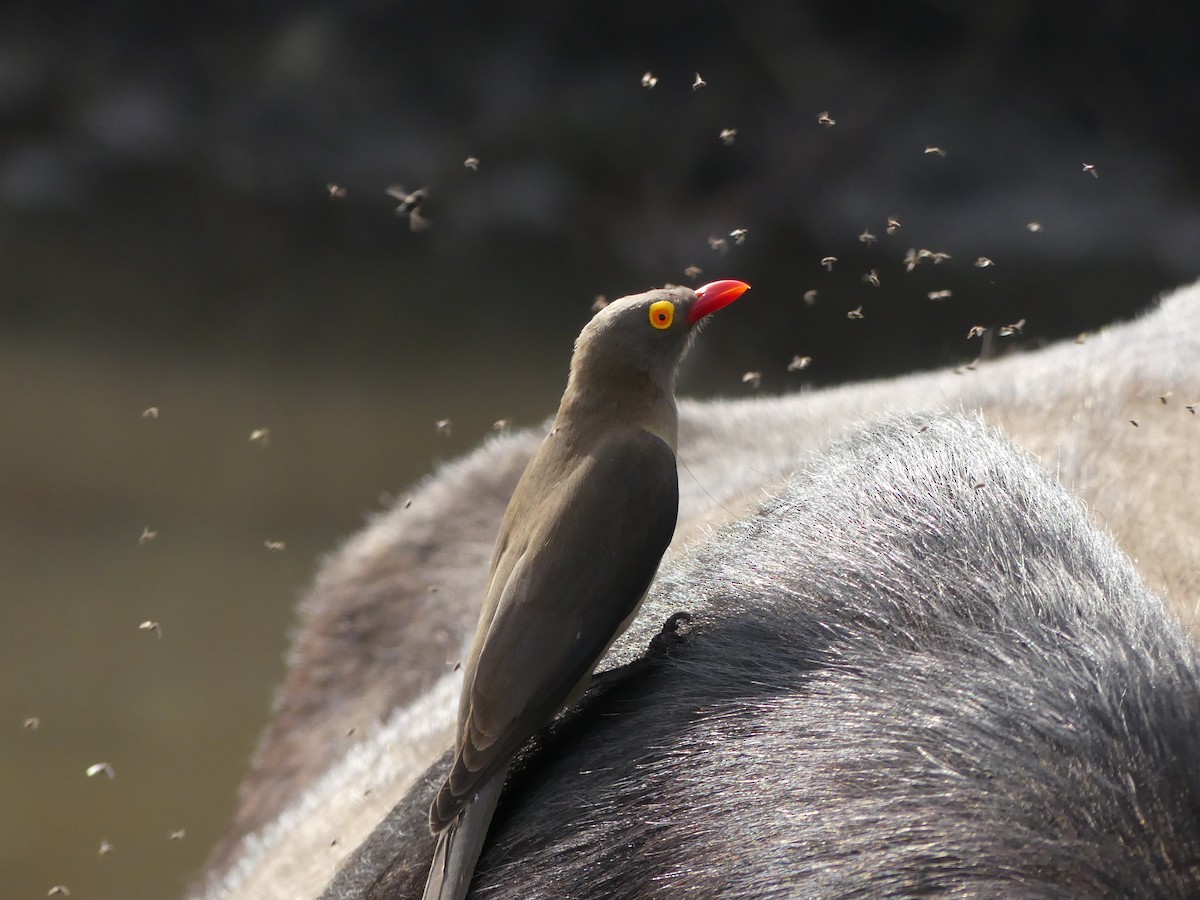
459, 846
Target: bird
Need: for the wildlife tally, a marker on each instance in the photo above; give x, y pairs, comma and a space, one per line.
577, 549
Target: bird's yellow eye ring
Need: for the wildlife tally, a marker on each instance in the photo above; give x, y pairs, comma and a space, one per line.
662, 314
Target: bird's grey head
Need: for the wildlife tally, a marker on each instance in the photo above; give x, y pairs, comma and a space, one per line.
647, 335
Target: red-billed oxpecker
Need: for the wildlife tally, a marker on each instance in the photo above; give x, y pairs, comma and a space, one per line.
578, 547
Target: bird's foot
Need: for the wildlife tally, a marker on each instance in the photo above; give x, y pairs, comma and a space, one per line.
659, 649
669, 637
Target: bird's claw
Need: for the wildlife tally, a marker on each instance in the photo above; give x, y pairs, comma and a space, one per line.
661, 645
669, 637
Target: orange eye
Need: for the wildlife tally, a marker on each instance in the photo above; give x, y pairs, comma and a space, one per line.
662, 314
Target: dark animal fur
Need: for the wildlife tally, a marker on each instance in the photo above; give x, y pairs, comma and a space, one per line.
919, 671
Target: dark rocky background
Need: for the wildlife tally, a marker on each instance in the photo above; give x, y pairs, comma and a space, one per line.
168, 239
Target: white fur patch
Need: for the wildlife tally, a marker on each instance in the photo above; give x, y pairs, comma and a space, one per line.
298, 853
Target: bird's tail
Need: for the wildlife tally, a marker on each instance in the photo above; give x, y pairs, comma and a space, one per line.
459, 846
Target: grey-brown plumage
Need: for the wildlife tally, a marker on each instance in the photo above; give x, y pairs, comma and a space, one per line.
577, 549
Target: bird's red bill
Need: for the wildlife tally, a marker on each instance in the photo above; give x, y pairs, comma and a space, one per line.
715, 296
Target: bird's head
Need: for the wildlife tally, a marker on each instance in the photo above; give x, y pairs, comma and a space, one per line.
647, 334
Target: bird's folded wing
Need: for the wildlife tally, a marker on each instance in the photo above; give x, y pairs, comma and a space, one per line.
565, 602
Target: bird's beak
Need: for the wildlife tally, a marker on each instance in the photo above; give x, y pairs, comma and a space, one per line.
714, 296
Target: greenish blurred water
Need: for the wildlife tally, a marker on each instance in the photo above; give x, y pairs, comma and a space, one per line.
82, 474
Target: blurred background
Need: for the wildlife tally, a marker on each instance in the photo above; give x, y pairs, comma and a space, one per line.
223, 344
